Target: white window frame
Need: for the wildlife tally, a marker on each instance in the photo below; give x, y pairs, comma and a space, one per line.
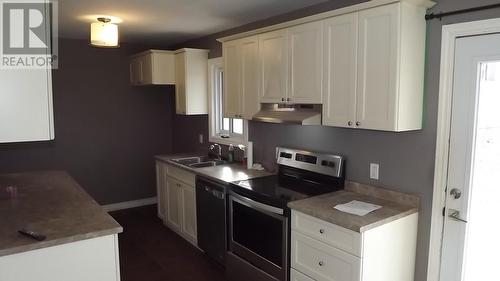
215, 115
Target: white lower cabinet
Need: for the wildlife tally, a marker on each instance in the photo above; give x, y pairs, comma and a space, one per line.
297, 276
322, 251
177, 200
85, 260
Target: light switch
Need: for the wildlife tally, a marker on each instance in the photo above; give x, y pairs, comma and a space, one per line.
374, 168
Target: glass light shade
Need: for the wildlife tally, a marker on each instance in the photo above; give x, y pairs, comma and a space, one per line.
104, 34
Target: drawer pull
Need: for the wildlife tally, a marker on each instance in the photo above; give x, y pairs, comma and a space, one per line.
321, 231
321, 263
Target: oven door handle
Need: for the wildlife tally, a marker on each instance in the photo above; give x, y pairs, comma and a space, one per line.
256, 205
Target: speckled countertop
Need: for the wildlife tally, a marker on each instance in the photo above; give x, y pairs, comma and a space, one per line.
394, 204
53, 204
223, 173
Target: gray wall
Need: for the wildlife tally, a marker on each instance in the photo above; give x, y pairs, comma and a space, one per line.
406, 159
107, 132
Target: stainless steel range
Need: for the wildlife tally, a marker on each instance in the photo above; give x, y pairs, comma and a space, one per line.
259, 227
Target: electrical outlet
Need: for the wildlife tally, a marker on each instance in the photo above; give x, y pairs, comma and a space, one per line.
374, 169
200, 138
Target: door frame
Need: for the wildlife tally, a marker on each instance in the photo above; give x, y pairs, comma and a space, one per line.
449, 34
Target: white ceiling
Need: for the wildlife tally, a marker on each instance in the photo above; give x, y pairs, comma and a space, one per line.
169, 21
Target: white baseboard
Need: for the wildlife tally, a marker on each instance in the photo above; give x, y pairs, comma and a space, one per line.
129, 204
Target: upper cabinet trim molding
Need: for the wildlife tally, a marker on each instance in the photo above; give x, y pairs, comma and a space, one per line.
346, 10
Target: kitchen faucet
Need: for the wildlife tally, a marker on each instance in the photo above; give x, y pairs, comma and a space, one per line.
219, 148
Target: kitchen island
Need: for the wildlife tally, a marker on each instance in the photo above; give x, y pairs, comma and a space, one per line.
80, 237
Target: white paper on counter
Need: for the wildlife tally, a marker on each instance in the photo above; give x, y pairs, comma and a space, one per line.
358, 208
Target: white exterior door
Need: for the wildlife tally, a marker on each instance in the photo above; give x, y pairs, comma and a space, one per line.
306, 63
273, 54
340, 70
471, 225
377, 67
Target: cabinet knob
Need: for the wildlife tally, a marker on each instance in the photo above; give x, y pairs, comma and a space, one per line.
321, 231
282, 99
321, 263
358, 123
288, 99
349, 123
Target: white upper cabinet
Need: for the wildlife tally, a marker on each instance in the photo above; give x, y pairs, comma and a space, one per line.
191, 77
306, 63
26, 112
382, 86
364, 63
340, 69
273, 55
250, 77
152, 67
241, 78
232, 75
378, 67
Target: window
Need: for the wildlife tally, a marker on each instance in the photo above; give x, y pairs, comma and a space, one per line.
222, 129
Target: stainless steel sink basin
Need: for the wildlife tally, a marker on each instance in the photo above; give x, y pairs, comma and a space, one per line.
198, 161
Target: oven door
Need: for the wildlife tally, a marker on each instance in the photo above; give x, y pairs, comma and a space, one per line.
259, 234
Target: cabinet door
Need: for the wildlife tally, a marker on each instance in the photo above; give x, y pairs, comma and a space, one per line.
232, 85
147, 69
189, 212
273, 54
136, 73
161, 188
297, 276
377, 69
174, 204
250, 77
180, 86
26, 105
340, 70
306, 63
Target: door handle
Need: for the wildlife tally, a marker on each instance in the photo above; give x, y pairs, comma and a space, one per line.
456, 193
455, 215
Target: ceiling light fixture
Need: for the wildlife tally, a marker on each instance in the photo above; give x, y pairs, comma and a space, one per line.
104, 34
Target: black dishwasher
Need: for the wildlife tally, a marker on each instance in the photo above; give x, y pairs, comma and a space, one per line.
211, 218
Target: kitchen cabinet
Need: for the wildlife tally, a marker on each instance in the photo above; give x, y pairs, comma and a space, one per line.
89, 259
241, 78
340, 69
174, 204
323, 251
161, 188
387, 92
363, 63
152, 67
273, 56
177, 200
292, 64
306, 63
191, 77
26, 109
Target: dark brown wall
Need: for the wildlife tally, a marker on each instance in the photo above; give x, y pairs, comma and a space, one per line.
406, 159
107, 132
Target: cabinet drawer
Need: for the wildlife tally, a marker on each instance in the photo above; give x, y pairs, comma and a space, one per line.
181, 174
328, 233
297, 276
323, 262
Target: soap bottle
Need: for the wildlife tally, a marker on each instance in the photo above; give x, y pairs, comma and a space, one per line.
230, 156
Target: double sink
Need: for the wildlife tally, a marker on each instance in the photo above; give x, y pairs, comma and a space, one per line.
198, 161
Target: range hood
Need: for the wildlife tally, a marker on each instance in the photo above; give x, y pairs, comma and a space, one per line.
301, 114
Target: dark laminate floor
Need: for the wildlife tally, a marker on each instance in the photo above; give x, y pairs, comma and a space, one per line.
150, 251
